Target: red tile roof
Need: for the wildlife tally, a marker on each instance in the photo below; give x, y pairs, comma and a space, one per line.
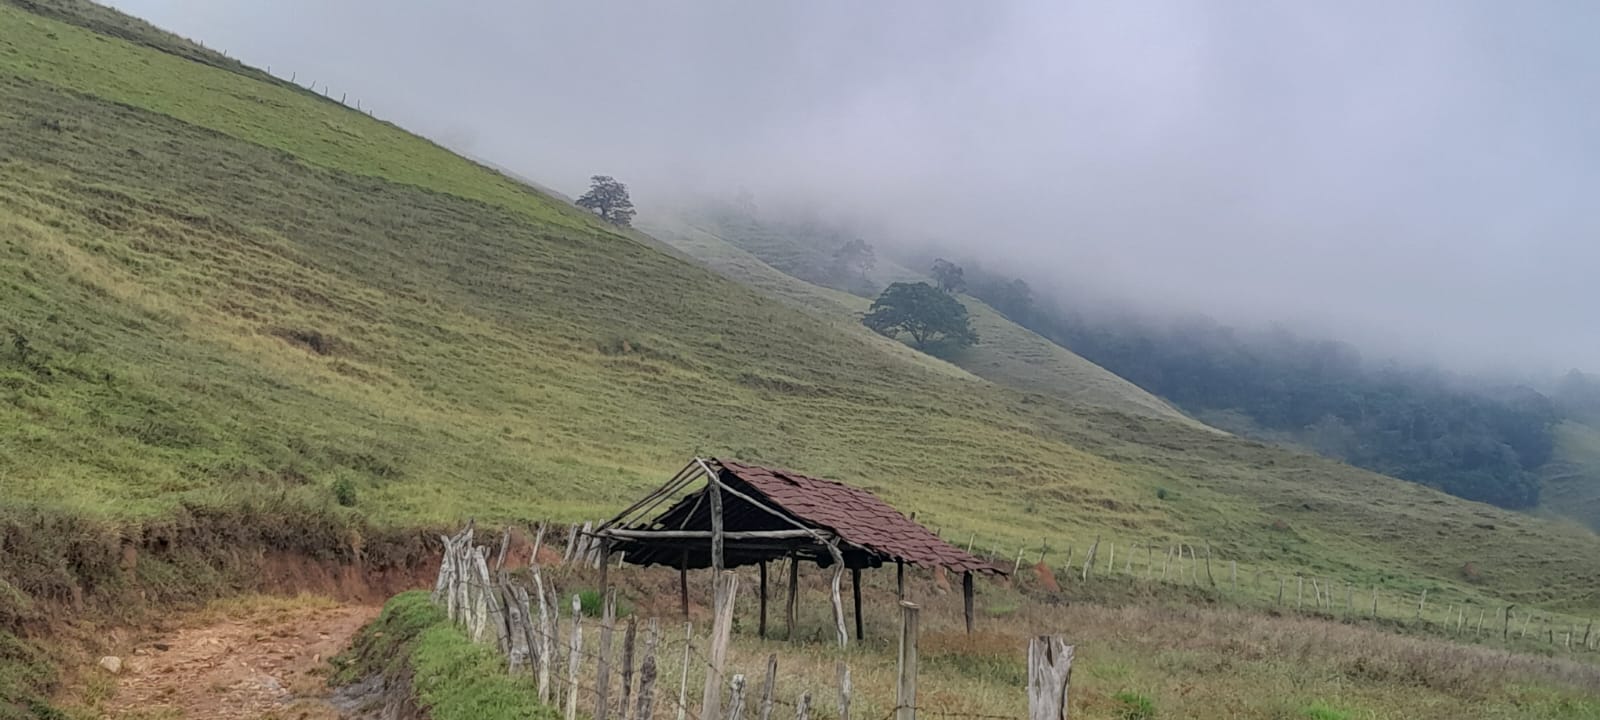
857, 516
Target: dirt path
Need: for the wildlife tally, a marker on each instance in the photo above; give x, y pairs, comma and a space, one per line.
246, 662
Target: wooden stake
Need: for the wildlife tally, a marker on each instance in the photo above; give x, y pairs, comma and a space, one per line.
906, 687
1299, 591
683, 677
1505, 629
574, 657
1111, 558
628, 637
766, 688
1088, 560
967, 598
1374, 601
1015, 566
838, 602
1049, 677
900, 579
547, 646
844, 690
735, 698
1422, 603
721, 629
602, 682
802, 709
645, 709
1209, 579
1280, 590
538, 536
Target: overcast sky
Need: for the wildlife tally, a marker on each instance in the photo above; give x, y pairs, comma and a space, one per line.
1418, 177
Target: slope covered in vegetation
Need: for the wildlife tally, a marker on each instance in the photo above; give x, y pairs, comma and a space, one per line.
232, 303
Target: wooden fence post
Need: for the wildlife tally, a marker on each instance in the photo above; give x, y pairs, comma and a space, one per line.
844, 690
802, 709
572, 543
683, 679
1111, 557
906, 688
1212, 581
1049, 677
765, 712
574, 657
721, 629
628, 637
735, 698
761, 629
1422, 603
1088, 560
602, 679
645, 709
1374, 601
546, 644
1280, 590
1299, 593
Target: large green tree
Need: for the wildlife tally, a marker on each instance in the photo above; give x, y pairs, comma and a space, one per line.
922, 311
608, 199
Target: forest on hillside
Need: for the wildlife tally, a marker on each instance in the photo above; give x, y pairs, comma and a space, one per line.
1417, 423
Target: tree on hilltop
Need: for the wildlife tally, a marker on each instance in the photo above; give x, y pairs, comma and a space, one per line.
922, 311
608, 199
951, 278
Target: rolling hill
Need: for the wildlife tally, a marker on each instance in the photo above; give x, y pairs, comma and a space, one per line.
220, 289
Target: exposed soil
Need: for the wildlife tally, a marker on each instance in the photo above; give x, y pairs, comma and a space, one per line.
261, 663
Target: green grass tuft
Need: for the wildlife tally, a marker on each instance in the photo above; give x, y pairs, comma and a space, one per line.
450, 677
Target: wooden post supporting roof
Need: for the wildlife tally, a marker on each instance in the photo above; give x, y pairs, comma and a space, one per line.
761, 631
855, 593
967, 593
794, 595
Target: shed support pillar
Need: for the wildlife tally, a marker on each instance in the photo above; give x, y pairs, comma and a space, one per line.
761, 631
855, 592
794, 593
967, 593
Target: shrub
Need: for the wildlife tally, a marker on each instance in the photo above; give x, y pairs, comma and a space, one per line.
1322, 711
593, 603
344, 491
1134, 706
1161, 493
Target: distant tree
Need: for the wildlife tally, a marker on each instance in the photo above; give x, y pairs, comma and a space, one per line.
922, 311
854, 258
608, 199
950, 277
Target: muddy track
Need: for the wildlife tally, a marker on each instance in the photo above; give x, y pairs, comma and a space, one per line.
248, 663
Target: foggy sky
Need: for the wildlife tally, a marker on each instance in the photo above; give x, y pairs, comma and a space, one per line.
1409, 176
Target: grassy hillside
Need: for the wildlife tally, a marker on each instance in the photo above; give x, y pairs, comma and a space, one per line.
1006, 353
1572, 479
217, 286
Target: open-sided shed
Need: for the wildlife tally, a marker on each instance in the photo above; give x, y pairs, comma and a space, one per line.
752, 515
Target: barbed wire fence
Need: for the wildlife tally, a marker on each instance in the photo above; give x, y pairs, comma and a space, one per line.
572, 672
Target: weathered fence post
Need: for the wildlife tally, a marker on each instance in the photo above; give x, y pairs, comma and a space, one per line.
735, 699
628, 637
1212, 581
683, 679
1422, 603
547, 645
1374, 602
765, 712
574, 657
1049, 676
645, 708
844, 690
602, 678
1088, 560
802, 709
721, 628
906, 688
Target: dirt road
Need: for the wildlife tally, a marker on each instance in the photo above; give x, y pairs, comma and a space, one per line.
266, 659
